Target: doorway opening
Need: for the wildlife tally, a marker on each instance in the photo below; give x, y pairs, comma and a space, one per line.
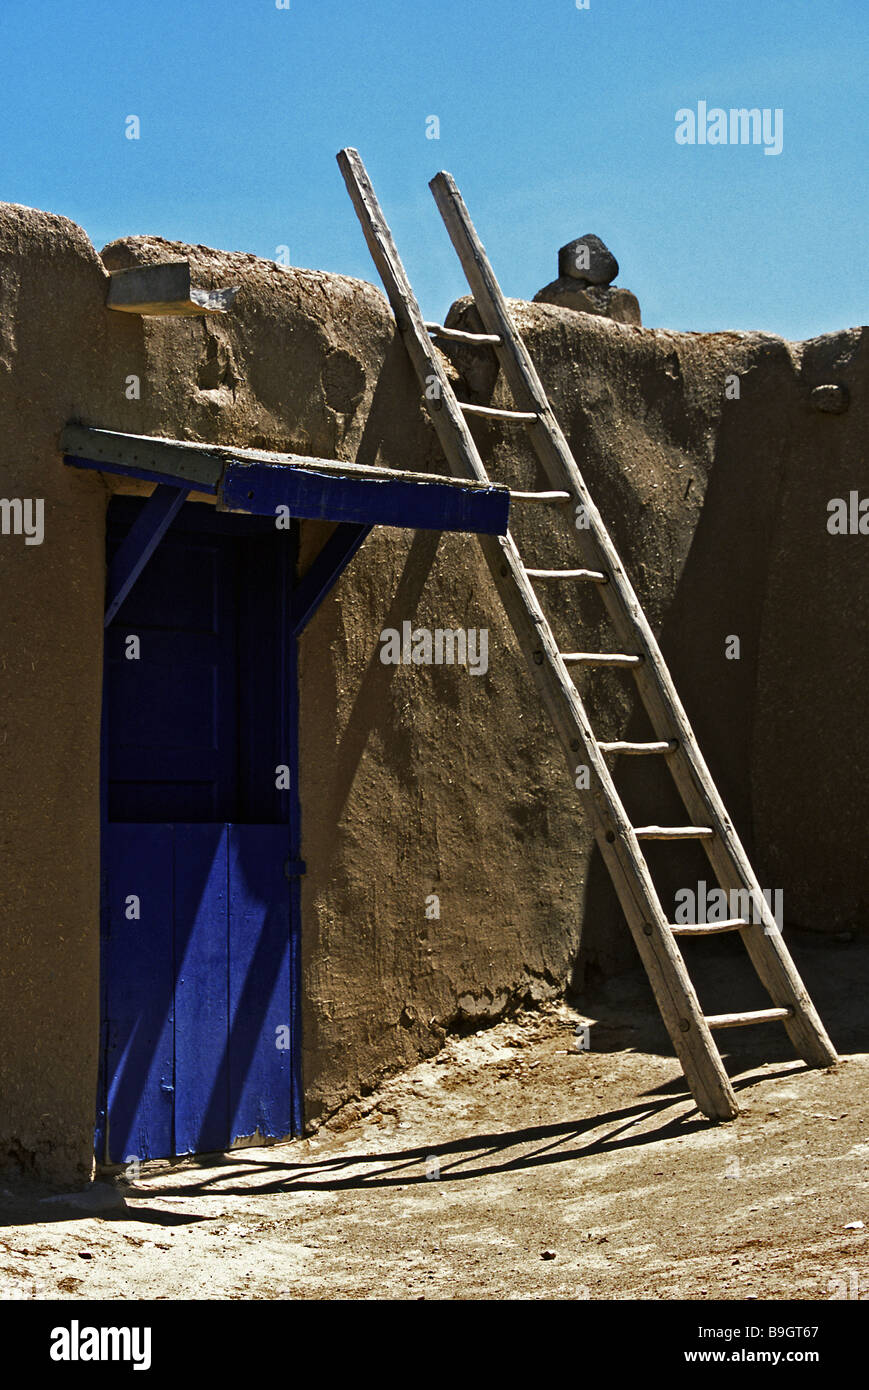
200, 931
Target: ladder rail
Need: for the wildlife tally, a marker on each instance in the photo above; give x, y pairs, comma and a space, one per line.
728, 858
618, 840
674, 991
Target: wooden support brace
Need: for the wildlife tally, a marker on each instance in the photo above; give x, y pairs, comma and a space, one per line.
325, 572
139, 544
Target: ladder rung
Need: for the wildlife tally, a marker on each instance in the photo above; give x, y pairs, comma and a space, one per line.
709, 928
745, 1020
673, 832
596, 575
437, 330
539, 496
600, 659
492, 413
620, 746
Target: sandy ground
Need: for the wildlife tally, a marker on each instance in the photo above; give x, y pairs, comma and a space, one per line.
513, 1165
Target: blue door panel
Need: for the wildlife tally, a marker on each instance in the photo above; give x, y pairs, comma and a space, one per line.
260, 1073
201, 1012
173, 711
198, 825
192, 568
137, 960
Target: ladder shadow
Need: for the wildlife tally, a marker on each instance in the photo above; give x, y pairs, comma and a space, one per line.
474, 1157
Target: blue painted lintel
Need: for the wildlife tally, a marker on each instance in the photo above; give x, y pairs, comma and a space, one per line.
313, 489
370, 497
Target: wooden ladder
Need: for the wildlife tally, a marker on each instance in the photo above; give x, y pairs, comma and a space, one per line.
620, 842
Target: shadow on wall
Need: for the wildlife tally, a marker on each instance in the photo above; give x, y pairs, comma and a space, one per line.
372, 693
719, 595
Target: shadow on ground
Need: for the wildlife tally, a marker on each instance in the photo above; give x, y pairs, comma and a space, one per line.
473, 1157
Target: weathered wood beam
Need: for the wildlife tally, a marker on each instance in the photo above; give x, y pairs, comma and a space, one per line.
196, 466
164, 289
257, 483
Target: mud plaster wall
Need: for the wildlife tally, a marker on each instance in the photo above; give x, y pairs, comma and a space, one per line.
413, 780
719, 507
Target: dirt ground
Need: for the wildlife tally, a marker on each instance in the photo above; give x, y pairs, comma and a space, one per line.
515, 1164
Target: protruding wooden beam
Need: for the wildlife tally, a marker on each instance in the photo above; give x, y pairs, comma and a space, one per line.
332, 491
247, 480
164, 289
199, 466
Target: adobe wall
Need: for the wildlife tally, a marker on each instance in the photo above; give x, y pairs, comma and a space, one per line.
414, 780
714, 458
306, 362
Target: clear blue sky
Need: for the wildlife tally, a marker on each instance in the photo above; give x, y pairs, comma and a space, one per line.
555, 121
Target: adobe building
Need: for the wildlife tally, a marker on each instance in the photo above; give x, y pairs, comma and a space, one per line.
250, 866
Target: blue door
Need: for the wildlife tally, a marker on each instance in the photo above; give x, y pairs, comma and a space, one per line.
200, 922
